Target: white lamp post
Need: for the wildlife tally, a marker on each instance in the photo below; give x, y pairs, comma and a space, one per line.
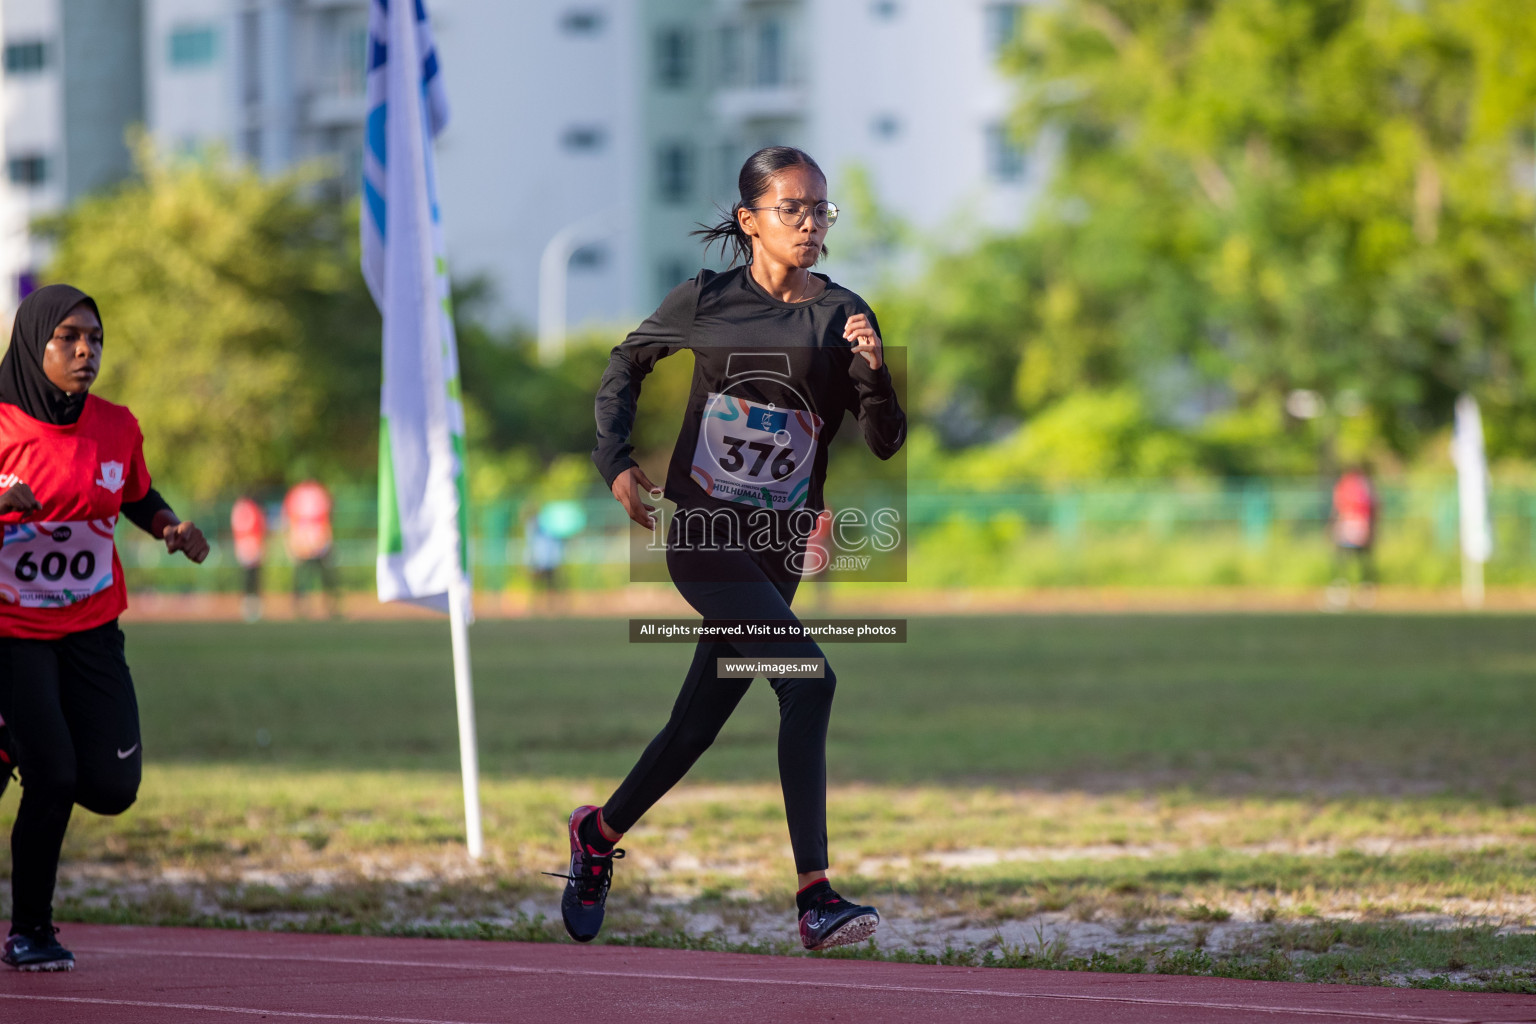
554, 268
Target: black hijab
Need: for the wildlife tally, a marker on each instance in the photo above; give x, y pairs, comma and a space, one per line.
22, 381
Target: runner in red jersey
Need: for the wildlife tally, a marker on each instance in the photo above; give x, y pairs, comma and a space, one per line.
70, 464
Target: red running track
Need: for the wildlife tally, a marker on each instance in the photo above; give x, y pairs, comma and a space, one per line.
181, 975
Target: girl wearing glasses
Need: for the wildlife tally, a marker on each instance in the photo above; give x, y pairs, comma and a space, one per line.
780, 354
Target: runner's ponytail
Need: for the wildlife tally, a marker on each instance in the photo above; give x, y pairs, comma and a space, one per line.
727, 232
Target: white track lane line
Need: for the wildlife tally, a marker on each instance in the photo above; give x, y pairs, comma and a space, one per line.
247, 1010
803, 983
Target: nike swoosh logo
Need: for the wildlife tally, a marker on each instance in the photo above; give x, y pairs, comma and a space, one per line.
123, 755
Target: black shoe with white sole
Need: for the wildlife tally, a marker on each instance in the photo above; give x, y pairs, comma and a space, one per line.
36, 949
833, 921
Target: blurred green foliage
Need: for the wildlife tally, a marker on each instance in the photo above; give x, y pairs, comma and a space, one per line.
1251, 197
237, 326
240, 332
1248, 198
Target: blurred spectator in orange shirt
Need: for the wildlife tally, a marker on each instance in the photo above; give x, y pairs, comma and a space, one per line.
307, 510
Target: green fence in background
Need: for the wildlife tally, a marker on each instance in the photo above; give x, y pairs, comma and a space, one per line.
1242, 532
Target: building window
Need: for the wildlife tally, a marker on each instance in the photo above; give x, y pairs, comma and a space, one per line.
669, 274
770, 53
582, 22
730, 55
674, 172
1005, 158
674, 57
27, 171
583, 138
192, 46
1003, 22
250, 59
590, 257
26, 58
342, 50
884, 10
886, 127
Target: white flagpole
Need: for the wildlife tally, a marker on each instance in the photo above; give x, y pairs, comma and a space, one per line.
421, 443
464, 697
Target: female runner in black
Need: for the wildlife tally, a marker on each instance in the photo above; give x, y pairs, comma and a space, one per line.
780, 354
70, 463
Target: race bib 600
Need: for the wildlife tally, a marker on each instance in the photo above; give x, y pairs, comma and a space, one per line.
47, 565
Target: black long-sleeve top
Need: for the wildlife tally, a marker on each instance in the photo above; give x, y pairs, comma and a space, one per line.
771, 381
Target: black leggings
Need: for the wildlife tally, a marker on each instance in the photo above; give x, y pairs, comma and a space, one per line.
736, 584
70, 706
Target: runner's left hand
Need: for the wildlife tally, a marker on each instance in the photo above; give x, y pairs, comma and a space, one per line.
188, 539
865, 341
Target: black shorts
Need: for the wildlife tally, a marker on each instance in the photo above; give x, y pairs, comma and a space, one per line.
73, 715
74, 721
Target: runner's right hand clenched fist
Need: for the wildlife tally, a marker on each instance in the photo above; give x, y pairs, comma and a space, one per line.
19, 499
627, 487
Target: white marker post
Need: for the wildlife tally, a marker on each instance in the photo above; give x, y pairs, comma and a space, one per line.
1472, 491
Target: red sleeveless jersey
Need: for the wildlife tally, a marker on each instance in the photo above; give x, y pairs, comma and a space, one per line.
59, 570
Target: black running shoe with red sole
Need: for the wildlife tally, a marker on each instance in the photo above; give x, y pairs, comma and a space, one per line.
833, 921
586, 887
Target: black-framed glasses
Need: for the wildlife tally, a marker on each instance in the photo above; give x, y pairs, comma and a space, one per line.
792, 212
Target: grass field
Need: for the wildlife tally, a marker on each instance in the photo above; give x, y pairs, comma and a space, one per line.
1342, 798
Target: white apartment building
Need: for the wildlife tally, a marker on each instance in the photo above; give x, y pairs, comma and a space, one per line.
908, 92
276, 82
587, 137
539, 162
64, 65
540, 147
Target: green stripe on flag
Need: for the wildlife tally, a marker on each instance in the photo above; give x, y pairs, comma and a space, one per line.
391, 540
461, 483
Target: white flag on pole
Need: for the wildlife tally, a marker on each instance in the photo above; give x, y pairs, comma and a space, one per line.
423, 555
422, 507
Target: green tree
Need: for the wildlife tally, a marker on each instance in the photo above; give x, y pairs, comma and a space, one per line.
237, 325
1260, 196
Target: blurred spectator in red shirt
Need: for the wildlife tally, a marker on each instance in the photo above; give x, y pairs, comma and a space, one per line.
248, 525
1354, 533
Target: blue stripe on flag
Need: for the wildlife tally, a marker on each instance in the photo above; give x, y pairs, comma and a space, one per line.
377, 119
421, 11
375, 206
378, 54
429, 67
